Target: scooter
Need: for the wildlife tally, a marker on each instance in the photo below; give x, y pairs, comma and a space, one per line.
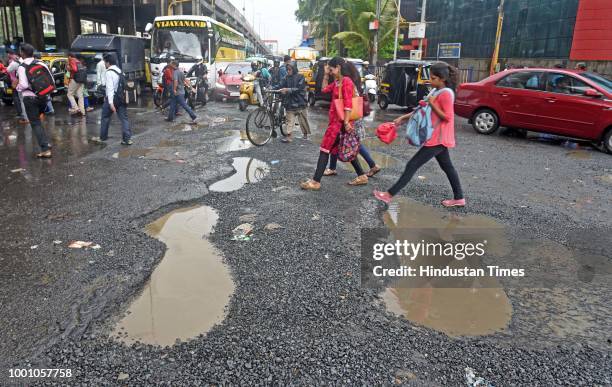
247, 92
198, 92
370, 88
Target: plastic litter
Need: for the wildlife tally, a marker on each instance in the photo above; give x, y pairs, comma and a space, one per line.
386, 132
282, 187
316, 216
274, 162
242, 232
57, 242
123, 376
421, 177
83, 245
17, 170
33, 247
475, 381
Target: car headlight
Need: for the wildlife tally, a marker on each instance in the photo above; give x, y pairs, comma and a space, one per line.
219, 85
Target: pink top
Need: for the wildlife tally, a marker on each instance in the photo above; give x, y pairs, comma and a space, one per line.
444, 131
347, 95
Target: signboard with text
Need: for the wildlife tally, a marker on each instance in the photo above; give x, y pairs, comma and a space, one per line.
416, 30
449, 50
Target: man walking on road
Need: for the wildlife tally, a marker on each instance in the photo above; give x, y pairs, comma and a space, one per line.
76, 84
178, 96
114, 102
294, 89
34, 104
283, 68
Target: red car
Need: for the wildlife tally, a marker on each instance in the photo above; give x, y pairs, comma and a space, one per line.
229, 80
568, 103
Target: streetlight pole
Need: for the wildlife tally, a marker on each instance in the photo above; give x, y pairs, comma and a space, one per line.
423, 11
399, 7
375, 48
134, 14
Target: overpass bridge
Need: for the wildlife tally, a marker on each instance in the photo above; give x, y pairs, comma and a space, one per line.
24, 18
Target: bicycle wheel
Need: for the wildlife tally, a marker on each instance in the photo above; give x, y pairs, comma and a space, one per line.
281, 120
259, 126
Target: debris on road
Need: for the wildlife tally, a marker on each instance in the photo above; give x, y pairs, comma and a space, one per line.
420, 177
33, 247
247, 218
282, 187
83, 245
274, 162
57, 242
18, 170
123, 376
316, 216
243, 232
475, 381
273, 227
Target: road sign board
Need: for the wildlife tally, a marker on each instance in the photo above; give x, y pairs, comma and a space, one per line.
449, 50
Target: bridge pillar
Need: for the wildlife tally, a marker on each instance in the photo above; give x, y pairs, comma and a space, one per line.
67, 22
31, 20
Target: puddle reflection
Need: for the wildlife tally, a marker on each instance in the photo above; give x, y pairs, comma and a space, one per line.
188, 290
248, 171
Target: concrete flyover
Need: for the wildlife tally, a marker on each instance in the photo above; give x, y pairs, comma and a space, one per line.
126, 16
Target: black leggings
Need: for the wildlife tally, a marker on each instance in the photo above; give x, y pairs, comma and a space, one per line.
322, 164
426, 153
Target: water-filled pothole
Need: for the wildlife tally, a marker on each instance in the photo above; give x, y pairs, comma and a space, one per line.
235, 141
480, 309
189, 289
248, 171
383, 160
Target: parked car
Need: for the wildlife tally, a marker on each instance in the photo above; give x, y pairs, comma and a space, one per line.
569, 103
228, 82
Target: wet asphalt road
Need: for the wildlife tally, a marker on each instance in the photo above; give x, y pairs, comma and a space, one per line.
298, 314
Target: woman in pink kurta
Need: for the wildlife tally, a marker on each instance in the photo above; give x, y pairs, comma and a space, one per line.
443, 79
337, 67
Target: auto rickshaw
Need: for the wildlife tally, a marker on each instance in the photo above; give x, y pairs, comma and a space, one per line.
314, 85
57, 63
405, 83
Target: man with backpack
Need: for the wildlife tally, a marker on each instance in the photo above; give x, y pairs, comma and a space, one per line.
114, 102
76, 85
35, 83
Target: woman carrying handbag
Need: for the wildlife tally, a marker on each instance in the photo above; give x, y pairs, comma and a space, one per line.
338, 120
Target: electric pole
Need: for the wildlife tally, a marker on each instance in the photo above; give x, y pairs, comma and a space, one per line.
375, 48
423, 10
399, 7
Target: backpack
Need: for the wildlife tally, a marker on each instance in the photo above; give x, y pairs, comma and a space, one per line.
80, 76
419, 128
119, 98
40, 79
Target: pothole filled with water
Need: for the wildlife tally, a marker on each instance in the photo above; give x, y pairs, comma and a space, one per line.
248, 171
480, 309
235, 141
383, 160
189, 289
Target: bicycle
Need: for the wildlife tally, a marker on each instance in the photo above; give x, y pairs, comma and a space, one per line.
262, 122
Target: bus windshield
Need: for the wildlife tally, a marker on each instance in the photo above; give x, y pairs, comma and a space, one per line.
182, 43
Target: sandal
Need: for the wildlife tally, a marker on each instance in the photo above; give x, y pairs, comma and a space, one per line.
359, 180
330, 172
310, 185
373, 171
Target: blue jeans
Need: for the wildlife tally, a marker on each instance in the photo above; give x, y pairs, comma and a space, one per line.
49, 107
106, 118
180, 100
363, 151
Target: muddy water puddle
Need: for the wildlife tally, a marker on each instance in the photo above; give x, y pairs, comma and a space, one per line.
236, 140
189, 289
479, 309
383, 160
248, 171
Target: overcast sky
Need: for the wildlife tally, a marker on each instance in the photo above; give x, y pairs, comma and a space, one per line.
276, 18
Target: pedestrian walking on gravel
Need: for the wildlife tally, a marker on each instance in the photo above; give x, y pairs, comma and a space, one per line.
178, 94
294, 89
360, 129
35, 83
441, 99
114, 102
340, 72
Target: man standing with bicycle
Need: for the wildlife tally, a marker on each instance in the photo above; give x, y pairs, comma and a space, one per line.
293, 87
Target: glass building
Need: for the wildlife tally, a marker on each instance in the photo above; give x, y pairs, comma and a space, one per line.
531, 29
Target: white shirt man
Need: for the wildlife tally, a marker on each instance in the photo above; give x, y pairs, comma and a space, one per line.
101, 73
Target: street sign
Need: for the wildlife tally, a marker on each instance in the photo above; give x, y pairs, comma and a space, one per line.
415, 54
449, 50
373, 25
416, 30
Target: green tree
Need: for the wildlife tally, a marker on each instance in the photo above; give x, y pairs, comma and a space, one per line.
322, 18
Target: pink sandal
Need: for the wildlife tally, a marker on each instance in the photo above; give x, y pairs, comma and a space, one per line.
383, 196
453, 203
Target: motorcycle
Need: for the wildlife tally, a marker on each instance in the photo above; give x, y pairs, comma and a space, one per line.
248, 96
370, 87
198, 92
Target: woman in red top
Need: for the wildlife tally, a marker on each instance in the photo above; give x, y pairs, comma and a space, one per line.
443, 79
337, 67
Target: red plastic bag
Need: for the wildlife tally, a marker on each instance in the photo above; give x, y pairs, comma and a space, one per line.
386, 132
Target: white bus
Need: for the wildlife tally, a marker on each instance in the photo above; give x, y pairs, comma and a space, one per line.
186, 37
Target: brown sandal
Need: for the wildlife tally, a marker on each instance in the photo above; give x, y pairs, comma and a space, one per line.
359, 180
373, 171
330, 172
310, 185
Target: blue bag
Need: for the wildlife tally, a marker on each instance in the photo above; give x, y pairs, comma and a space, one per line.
419, 128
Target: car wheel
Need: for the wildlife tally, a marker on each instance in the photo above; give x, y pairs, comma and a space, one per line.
485, 121
607, 141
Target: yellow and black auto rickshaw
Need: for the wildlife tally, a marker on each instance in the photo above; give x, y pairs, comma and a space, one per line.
405, 83
314, 85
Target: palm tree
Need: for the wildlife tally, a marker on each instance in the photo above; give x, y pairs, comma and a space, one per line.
320, 13
356, 35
